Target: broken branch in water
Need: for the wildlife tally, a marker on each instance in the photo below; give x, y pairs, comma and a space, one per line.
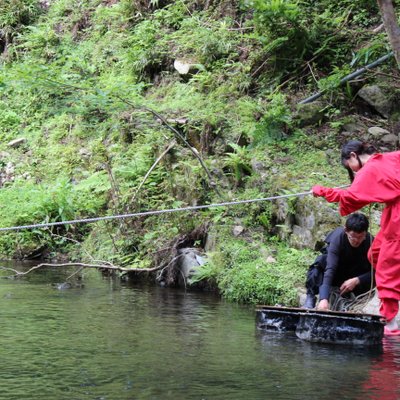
81, 265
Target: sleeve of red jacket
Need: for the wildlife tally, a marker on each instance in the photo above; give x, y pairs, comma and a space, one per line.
343, 197
368, 187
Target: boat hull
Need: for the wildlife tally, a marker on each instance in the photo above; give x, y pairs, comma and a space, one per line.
322, 326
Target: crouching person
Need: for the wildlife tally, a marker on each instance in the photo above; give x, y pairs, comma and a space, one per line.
343, 263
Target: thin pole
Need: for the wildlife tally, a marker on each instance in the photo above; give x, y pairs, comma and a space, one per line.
349, 77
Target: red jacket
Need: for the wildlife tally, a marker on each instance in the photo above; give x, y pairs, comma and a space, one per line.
377, 181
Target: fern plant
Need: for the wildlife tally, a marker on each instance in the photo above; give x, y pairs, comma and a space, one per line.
238, 162
14, 15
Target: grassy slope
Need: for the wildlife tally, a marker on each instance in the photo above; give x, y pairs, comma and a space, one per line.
78, 82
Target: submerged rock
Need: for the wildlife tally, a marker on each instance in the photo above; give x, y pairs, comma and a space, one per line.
63, 286
67, 285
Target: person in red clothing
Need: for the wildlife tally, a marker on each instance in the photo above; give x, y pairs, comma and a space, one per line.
375, 177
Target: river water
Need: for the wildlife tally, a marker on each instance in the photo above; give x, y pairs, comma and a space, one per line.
111, 340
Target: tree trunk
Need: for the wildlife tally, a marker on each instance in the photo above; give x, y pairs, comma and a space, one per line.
391, 26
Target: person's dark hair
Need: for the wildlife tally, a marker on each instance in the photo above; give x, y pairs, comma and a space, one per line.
357, 222
359, 148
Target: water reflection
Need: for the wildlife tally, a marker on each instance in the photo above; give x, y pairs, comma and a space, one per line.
383, 381
107, 340
325, 370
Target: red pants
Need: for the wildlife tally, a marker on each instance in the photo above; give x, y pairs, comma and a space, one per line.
373, 252
389, 308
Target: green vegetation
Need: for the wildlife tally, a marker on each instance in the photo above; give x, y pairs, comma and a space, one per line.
82, 85
249, 273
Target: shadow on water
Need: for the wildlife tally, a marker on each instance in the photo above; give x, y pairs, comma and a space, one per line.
108, 340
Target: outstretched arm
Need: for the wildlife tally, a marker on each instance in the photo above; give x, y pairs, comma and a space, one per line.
375, 182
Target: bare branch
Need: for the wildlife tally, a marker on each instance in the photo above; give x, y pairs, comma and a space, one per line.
180, 137
74, 273
164, 267
82, 265
170, 146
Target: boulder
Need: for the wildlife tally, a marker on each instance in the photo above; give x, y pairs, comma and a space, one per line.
385, 138
377, 132
353, 128
372, 306
390, 140
85, 153
211, 241
309, 114
302, 237
190, 259
381, 98
306, 222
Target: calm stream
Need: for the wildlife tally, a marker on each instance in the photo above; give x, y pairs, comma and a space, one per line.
111, 340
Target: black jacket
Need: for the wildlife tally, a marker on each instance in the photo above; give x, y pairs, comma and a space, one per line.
345, 261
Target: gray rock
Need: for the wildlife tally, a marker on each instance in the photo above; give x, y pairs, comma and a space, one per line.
190, 259
309, 114
390, 139
16, 142
378, 98
4, 154
85, 152
306, 223
372, 306
9, 169
301, 237
237, 230
63, 286
377, 131
185, 67
353, 128
211, 241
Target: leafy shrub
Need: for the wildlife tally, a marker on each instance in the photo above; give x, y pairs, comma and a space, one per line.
14, 13
14, 16
238, 162
244, 275
147, 54
9, 123
213, 41
275, 120
369, 53
295, 32
62, 201
280, 22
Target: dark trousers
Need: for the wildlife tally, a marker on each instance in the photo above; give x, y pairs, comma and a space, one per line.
315, 275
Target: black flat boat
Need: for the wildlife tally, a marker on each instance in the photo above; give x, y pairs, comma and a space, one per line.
322, 326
